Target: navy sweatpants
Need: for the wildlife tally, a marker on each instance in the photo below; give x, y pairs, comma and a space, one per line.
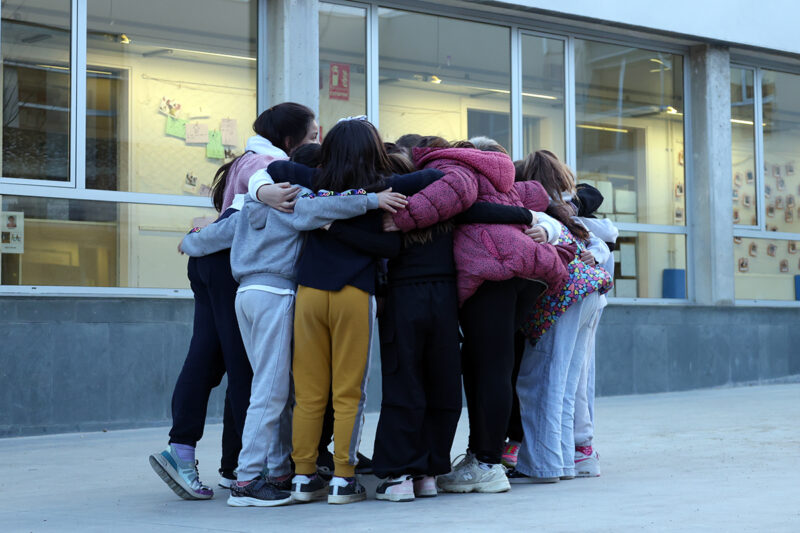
216, 348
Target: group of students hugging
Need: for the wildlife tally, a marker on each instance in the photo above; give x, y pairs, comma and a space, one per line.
478, 268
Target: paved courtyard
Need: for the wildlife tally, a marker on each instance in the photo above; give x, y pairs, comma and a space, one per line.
711, 460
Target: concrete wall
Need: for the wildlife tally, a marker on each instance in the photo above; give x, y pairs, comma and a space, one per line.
763, 24
84, 364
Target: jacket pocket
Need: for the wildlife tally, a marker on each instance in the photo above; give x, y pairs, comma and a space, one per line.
488, 244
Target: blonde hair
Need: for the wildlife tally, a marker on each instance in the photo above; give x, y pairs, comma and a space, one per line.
485, 144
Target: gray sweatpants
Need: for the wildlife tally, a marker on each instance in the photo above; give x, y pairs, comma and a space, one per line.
266, 323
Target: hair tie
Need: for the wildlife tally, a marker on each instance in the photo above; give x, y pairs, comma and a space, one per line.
356, 117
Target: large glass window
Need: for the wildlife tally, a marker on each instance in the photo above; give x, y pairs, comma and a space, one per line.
781, 124
743, 150
766, 265
55, 241
36, 89
446, 77
629, 112
543, 95
342, 63
766, 269
649, 265
171, 92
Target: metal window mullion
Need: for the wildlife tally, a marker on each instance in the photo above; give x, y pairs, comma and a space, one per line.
652, 228
373, 66
262, 55
516, 94
758, 120
96, 195
78, 93
570, 124
688, 178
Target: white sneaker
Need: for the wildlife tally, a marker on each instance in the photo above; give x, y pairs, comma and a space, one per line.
399, 489
472, 476
425, 487
587, 462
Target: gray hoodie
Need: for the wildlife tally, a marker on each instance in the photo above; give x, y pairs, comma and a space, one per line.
265, 243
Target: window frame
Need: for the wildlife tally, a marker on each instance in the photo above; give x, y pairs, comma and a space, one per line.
759, 231
519, 25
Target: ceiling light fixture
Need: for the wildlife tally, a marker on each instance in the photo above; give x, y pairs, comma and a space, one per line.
601, 128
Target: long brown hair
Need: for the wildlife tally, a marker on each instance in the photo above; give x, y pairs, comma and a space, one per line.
543, 166
353, 156
284, 125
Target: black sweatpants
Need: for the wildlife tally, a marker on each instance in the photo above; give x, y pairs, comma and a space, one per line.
421, 368
515, 431
216, 348
489, 319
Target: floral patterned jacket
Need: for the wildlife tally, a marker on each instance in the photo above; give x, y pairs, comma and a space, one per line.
583, 280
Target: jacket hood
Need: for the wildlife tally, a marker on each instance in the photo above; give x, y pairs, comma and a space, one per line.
602, 228
496, 166
262, 146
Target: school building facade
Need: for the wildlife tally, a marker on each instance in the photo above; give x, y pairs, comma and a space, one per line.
116, 115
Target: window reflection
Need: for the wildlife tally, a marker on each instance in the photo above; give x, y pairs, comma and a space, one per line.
342, 63
781, 153
95, 244
745, 201
36, 89
168, 101
629, 109
650, 265
446, 77
543, 95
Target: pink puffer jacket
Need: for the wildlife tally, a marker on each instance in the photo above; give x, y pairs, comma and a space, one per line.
484, 252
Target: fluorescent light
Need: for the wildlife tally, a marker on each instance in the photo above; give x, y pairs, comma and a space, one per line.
542, 96
435, 79
215, 54
654, 60
123, 39
602, 128
740, 121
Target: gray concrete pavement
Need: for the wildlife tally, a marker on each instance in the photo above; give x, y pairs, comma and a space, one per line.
711, 460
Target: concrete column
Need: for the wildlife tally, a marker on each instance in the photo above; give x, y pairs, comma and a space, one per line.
710, 208
293, 52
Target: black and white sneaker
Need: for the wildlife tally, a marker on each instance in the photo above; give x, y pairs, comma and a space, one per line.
399, 489
346, 490
308, 488
259, 493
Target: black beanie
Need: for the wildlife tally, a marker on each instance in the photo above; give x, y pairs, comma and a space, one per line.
589, 198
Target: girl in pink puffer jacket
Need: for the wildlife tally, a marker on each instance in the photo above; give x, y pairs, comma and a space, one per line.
483, 252
494, 263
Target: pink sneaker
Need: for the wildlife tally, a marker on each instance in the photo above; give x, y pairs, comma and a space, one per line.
399, 489
510, 453
587, 462
425, 487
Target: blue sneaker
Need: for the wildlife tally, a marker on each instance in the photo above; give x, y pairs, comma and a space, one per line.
180, 476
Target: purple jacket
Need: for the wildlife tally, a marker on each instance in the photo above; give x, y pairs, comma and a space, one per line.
484, 252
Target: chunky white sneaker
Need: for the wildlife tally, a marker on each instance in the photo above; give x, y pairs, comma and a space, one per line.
425, 487
399, 489
473, 476
587, 462
466, 459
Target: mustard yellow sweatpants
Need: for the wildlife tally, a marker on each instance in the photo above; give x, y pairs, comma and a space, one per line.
332, 343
